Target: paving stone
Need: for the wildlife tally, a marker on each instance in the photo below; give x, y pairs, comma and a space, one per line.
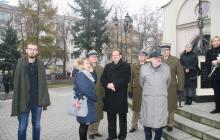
55, 123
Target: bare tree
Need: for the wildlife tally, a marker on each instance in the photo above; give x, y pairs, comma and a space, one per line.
148, 24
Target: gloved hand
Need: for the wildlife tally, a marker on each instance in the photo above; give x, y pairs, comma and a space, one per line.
180, 92
130, 95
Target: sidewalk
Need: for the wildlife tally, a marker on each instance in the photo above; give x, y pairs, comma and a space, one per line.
55, 123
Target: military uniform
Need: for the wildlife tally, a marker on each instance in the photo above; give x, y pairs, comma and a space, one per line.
93, 128
136, 90
98, 69
176, 84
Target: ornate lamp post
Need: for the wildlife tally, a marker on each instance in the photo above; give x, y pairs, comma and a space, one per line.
201, 42
115, 20
127, 25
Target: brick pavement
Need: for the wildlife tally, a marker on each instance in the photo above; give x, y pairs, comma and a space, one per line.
55, 123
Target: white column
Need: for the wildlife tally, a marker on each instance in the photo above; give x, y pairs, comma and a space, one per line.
215, 18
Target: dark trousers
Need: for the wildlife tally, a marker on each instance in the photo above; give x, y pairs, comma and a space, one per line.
112, 119
83, 129
148, 133
6, 88
23, 123
216, 88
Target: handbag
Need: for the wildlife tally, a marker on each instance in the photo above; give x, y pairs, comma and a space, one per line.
78, 106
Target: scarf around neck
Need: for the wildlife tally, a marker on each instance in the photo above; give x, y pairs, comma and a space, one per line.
88, 75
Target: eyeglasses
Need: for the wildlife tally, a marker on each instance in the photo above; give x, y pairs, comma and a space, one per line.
30, 49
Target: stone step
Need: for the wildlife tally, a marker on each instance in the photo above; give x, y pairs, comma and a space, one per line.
196, 129
200, 116
177, 134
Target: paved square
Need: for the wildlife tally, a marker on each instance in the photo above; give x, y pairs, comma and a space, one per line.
55, 123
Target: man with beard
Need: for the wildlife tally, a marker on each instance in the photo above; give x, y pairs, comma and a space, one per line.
154, 79
30, 92
98, 70
115, 79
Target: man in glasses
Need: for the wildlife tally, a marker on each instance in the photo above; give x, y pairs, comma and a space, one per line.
30, 92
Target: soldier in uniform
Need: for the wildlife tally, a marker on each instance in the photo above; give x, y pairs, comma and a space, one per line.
93, 128
176, 84
135, 91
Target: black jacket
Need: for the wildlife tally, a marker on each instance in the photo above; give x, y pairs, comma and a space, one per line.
118, 74
189, 60
211, 55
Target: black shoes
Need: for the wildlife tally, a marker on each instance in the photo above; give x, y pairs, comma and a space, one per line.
215, 111
93, 136
132, 130
188, 100
169, 129
111, 138
98, 135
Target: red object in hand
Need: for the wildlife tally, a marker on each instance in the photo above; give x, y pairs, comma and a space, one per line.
77, 104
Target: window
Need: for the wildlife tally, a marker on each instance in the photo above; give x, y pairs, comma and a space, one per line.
4, 17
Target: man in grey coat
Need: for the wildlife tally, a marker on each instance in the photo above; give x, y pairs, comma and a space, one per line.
154, 79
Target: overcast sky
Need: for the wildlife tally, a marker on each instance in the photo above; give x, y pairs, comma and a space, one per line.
131, 6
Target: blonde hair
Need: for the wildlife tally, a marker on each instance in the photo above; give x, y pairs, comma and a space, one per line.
78, 63
211, 41
117, 50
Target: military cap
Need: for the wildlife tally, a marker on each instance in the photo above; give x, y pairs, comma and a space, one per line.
142, 52
165, 46
155, 53
92, 52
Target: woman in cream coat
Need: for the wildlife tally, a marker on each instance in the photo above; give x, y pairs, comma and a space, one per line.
155, 80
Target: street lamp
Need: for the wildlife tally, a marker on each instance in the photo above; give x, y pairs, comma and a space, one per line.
115, 20
127, 25
200, 23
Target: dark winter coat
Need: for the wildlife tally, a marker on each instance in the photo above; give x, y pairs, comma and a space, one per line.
211, 55
189, 60
118, 74
6, 79
85, 87
22, 87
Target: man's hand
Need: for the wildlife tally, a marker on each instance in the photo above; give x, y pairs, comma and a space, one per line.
215, 62
111, 86
180, 92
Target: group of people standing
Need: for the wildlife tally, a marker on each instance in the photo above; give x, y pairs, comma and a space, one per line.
109, 90
153, 83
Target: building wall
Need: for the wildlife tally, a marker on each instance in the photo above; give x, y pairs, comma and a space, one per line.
180, 27
180, 24
8, 12
215, 18
170, 16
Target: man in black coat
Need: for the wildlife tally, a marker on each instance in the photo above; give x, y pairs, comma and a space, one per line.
6, 82
212, 59
115, 79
